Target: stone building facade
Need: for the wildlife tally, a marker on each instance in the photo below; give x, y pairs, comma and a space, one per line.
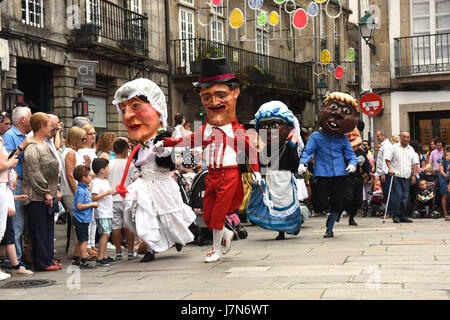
125, 38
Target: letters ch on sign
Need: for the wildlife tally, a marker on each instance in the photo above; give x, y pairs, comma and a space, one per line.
86, 74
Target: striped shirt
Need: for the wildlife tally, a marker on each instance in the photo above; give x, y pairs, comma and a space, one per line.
402, 160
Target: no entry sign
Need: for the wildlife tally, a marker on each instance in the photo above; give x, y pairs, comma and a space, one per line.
371, 104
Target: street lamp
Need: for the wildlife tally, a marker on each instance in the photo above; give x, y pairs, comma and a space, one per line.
13, 97
366, 28
80, 106
321, 88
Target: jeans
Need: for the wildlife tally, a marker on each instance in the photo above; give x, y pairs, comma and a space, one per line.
401, 194
331, 220
19, 220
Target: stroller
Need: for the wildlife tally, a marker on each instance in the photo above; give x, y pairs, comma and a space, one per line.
426, 207
195, 197
376, 206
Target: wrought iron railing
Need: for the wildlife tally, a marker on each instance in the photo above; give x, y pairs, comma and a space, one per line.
422, 54
122, 28
256, 69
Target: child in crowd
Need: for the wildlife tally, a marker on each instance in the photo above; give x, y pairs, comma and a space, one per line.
101, 192
117, 167
82, 208
424, 195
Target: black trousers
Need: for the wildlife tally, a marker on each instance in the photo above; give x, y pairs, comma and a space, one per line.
42, 233
353, 194
329, 193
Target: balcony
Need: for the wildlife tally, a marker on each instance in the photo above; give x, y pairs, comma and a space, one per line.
422, 55
253, 69
113, 31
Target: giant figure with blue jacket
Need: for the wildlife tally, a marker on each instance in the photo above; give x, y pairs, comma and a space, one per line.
334, 157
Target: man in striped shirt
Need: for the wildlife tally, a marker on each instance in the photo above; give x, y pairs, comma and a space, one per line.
402, 162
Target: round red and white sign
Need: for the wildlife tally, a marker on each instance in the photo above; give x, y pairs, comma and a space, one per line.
371, 104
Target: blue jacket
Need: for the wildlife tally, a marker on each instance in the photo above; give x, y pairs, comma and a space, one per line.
83, 196
330, 153
14, 138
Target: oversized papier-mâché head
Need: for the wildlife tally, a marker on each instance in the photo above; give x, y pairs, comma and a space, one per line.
339, 113
142, 105
219, 90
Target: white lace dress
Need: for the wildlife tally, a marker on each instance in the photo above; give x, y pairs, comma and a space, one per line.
154, 209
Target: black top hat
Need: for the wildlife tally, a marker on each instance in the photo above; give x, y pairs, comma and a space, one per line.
214, 70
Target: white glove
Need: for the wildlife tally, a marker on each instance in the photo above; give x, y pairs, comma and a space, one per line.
351, 168
257, 177
302, 169
160, 150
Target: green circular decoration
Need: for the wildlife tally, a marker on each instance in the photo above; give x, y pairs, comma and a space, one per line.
351, 54
262, 18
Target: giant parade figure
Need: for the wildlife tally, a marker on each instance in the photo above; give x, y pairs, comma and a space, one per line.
225, 147
153, 207
334, 157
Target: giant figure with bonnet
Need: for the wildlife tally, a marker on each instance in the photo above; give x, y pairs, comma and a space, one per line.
334, 157
275, 204
154, 209
225, 146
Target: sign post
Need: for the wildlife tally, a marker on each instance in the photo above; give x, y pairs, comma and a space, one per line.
371, 105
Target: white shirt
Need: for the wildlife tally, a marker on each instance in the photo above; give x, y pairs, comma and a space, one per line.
116, 171
402, 160
229, 157
65, 188
381, 165
105, 204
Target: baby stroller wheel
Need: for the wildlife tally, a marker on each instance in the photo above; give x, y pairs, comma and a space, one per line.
416, 214
435, 215
242, 234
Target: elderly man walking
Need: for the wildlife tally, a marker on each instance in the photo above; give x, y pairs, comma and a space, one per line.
382, 169
402, 161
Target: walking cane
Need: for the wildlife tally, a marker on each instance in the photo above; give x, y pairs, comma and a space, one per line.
387, 203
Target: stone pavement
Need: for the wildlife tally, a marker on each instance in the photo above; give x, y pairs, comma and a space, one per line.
369, 262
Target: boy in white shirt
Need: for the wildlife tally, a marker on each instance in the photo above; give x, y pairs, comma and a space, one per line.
102, 193
117, 167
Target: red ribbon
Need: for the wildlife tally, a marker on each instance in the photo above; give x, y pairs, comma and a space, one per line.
121, 189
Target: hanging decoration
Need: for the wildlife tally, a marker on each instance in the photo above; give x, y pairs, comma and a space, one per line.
339, 73
206, 6
255, 4
236, 18
325, 57
279, 1
300, 19
292, 3
331, 67
339, 13
318, 69
313, 9
351, 54
216, 3
274, 18
262, 19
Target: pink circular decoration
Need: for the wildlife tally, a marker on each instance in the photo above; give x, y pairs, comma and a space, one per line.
300, 19
216, 2
339, 73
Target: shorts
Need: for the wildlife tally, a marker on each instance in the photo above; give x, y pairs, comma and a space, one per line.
9, 236
104, 225
117, 220
81, 230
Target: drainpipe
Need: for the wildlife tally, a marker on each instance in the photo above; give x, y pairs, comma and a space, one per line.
169, 60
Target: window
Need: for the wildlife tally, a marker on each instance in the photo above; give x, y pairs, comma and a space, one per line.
219, 9
100, 110
186, 18
188, 1
136, 6
33, 13
217, 30
430, 17
93, 16
262, 48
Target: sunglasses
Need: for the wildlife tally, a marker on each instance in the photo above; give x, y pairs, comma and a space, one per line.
3, 115
83, 139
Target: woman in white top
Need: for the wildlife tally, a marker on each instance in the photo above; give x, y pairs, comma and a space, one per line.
71, 156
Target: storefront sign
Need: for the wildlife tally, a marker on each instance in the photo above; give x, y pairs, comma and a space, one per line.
86, 74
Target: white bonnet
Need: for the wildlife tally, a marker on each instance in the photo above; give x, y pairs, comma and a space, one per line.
147, 88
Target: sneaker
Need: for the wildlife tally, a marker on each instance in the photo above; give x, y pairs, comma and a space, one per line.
4, 276
119, 256
21, 272
132, 255
111, 260
103, 263
212, 256
110, 247
87, 265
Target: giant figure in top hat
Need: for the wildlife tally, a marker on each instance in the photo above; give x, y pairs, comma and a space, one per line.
224, 142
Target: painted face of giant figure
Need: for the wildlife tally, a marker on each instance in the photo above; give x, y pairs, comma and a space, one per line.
140, 118
220, 104
338, 114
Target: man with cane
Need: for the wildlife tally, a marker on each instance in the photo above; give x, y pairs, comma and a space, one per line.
402, 161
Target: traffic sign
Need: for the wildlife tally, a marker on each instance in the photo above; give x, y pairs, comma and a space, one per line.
371, 104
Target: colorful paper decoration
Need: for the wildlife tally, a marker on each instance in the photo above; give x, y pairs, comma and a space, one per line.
255, 4
313, 9
351, 54
321, 1
325, 57
331, 67
216, 3
339, 73
262, 18
300, 19
236, 18
279, 1
274, 18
